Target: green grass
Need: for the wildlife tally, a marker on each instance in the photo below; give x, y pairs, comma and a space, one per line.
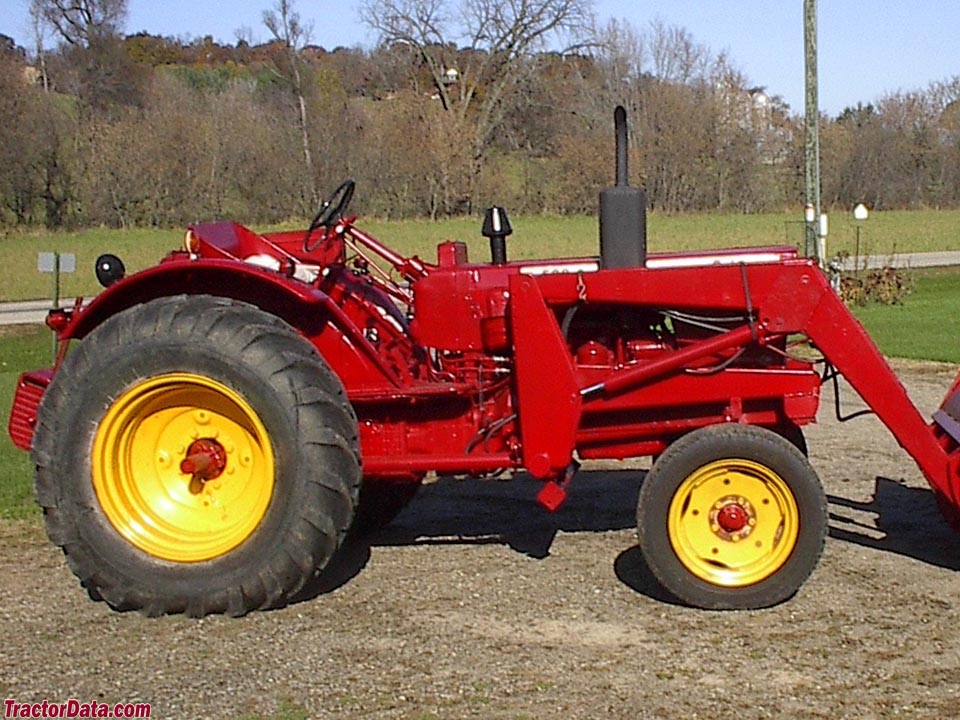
534, 236
926, 326
21, 348
18, 256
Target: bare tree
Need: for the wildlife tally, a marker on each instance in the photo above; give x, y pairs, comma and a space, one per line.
677, 57
95, 64
623, 52
39, 36
82, 22
284, 24
477, 51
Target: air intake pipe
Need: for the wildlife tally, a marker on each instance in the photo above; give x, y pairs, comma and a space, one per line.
623, 211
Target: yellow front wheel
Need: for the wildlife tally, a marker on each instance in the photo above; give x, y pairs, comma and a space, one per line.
733, 522
731, 517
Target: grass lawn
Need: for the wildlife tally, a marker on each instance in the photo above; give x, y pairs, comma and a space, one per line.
926, 326
534, 236
21, 348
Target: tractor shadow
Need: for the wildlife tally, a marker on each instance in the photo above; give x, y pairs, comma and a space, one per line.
898, 519
455, 511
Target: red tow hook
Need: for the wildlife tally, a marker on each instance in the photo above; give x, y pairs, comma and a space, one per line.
205, 460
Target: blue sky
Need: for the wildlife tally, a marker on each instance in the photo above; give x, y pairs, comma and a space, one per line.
867, 48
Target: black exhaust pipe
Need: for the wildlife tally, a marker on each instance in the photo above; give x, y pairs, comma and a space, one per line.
623, 211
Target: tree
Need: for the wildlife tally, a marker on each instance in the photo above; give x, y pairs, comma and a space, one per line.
476, 52
96, 65
83, 23
284, 24
677, 57
19, 151
39, 36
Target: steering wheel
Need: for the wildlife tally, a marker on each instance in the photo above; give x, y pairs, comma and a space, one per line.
330, 211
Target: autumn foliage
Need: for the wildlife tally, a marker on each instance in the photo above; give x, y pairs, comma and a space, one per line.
152, 131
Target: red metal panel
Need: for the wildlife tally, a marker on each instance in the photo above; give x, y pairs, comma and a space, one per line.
546, 385
449, 307
801, 388
26, 402
718, 287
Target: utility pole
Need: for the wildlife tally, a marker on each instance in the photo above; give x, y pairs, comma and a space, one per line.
811, 142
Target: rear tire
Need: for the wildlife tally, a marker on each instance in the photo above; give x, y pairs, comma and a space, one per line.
142, 530
731, 517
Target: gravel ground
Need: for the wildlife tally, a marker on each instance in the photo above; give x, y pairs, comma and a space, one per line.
474, 603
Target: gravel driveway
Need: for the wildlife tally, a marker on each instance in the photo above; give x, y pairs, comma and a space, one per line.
477, 604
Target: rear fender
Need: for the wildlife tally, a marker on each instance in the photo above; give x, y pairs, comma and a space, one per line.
306, 308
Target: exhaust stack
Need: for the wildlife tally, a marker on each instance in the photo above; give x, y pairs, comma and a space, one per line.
623, 211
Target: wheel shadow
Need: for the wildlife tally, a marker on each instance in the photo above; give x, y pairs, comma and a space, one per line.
905, 521
632, 570
477, 512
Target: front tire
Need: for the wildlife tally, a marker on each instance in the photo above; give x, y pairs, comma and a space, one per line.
731, 517
194, 454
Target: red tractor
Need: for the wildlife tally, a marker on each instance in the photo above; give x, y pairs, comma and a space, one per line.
222, 418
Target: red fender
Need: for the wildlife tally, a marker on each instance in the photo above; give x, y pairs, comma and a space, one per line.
303, 306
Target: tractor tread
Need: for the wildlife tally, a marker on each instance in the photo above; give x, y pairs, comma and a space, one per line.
315, 497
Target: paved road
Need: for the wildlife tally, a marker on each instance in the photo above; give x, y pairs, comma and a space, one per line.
24, 313
908, 260
34, 311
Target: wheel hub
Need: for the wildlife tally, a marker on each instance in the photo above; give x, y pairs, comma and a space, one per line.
206, 459
732, 518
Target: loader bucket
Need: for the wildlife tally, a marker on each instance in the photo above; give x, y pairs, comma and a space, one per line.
946, 429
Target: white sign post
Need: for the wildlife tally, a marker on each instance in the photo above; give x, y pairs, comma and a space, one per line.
56, 263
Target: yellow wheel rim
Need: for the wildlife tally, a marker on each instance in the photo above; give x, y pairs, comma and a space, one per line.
138, 468
733, 522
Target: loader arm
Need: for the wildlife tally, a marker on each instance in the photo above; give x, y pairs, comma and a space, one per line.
786, 298
823, 318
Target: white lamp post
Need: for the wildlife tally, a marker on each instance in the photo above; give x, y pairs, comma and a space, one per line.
860, 214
